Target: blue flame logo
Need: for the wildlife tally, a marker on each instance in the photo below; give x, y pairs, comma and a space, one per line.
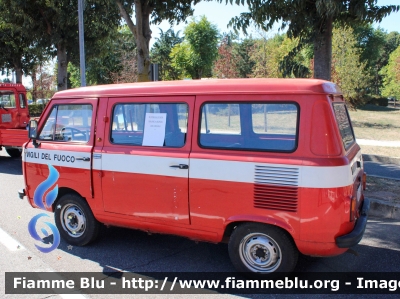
49, 200
44, 186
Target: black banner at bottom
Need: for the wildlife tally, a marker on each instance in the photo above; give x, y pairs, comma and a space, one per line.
200, 283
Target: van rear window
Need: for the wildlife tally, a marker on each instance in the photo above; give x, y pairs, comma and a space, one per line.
345, 128
250, 126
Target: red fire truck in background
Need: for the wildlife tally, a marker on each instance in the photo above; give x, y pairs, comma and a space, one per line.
14, 118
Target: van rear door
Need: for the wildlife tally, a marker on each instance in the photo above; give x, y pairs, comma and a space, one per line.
353, 152
145, 158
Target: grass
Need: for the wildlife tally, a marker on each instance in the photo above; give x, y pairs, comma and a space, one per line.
382, 123
377, 123
272, 123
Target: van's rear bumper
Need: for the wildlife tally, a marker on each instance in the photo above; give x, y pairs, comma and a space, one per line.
357, 233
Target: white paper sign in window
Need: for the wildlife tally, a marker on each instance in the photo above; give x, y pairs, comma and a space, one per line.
154, 129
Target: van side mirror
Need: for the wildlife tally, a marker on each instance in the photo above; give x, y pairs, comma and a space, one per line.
33, 132
33, 129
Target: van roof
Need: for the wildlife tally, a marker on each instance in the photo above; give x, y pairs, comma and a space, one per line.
210, 86
17, 86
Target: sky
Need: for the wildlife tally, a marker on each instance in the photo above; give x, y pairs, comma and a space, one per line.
220, 14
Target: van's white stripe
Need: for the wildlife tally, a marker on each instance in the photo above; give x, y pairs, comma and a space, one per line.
243, 172
144, 164
221, 170
56, 157
9, 242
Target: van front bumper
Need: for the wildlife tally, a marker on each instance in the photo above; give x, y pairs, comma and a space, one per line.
21, 193
355, 236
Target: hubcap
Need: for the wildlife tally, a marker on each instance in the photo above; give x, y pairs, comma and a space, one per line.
73, 220
260, 253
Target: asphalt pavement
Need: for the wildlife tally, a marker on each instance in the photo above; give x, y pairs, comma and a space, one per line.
390, 171
120, 249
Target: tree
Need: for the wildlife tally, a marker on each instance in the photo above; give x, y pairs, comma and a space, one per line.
181, 60
226, 64
161, 51
268, 56
391, 76
376, 46
21, 50
43, 86
347, 70
311, 21
196, 55
57, 23
263, 55
241, 51
397, 69
146, 12
115, 63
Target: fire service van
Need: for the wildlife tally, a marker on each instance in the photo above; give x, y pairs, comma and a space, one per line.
270, 166
14, 118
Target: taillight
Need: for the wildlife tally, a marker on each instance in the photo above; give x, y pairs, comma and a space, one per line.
364, 181
353, 208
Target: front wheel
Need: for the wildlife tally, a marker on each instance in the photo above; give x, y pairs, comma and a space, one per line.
262, 249
75, 220
14, 152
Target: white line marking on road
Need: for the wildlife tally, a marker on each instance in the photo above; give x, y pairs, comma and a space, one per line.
77, 295
10, 242
72, 296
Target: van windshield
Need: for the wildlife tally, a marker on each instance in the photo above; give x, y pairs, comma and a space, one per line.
344, 123
7, 98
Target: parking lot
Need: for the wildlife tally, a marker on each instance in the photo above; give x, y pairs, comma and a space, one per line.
120, 249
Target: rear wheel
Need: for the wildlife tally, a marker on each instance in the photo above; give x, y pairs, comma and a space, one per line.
14, 152
75, 220
262, 249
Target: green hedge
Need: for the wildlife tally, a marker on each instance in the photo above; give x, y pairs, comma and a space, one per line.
379, 101
36, 109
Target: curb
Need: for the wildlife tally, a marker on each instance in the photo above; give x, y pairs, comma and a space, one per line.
381, 159
383, 177
383, 209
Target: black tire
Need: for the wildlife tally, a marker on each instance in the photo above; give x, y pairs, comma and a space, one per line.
260, 249
14, 152
75, 220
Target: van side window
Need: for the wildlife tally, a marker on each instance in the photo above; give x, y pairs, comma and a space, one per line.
22, 100
345, 128
250, 126
68, 123
155, 124
220, 118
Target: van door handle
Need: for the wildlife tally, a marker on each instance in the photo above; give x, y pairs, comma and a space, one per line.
180, 166
85, 159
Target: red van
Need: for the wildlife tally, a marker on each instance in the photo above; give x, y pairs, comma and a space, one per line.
270, 166
14, 118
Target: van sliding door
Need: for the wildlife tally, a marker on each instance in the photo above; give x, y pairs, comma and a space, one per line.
145, 158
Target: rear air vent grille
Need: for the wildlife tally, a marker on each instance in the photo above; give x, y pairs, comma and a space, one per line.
276, 188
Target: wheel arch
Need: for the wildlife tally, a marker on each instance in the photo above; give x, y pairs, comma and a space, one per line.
61, 192
236, 221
